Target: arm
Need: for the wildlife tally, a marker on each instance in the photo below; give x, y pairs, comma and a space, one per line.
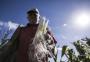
11, 46
50, 35
14, 41
51, 43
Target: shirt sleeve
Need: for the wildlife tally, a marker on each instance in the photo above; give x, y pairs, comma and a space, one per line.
10, 48
50, 33
14, 41
16, 34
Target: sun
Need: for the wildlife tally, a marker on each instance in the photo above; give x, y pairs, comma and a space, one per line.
82, 20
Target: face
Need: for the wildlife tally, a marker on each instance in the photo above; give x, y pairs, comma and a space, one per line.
33, 18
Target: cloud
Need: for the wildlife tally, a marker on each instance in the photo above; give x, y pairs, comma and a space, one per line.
10, 25
1, 23
59, 49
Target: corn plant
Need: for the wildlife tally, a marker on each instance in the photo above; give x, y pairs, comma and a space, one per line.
82, 48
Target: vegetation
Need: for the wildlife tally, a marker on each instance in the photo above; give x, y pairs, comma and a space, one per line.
82, 53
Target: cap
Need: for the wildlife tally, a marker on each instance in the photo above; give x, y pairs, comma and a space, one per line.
35, 10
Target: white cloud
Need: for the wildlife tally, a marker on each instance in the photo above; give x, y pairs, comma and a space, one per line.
10, 25
59, 49
1, 23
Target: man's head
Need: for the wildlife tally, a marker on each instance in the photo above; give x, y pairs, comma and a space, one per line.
33, 16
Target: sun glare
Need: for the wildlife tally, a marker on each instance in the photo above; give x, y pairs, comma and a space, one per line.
82, 20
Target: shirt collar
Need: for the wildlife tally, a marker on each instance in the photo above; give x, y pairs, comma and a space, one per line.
32, 24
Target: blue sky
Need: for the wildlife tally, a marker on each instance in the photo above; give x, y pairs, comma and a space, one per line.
59, 12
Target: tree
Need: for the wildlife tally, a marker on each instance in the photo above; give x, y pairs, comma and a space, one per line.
82, 48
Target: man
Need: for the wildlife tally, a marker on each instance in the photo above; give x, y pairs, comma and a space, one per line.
24, 36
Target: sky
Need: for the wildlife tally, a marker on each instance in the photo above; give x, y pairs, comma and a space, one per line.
69, 19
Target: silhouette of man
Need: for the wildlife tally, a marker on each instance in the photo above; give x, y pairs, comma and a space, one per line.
23, 37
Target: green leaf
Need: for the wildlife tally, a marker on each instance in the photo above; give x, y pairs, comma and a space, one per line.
64, 48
